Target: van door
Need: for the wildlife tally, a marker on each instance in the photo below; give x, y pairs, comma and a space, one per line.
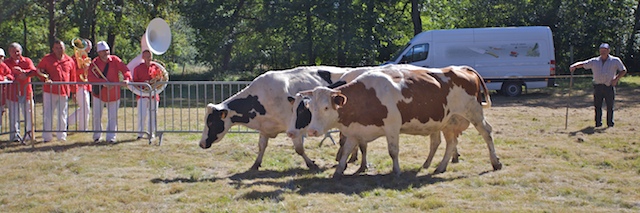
417, 55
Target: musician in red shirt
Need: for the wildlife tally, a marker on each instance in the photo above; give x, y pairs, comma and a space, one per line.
110, 66
145, 72
59, 67
19, 94
82, 91
5, 75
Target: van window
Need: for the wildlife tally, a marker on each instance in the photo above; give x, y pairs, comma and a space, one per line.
418, 52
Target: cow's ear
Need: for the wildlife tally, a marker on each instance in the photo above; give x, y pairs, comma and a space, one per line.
339, 100
223, 114
291, 100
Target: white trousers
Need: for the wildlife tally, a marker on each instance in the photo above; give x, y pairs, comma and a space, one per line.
144, 106
81, 115
21, 107
112, 123
51, 104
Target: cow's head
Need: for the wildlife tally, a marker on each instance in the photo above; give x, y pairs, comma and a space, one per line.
301, 115
323, 105
217, 124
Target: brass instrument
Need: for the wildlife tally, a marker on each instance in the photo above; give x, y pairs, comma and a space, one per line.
81, 48
96, 71
156, 39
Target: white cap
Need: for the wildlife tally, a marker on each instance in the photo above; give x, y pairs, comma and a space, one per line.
604, 45
2, 52
102, 45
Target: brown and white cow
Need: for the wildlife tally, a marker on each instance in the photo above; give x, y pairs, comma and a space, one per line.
302, 118
265, 106
410, 100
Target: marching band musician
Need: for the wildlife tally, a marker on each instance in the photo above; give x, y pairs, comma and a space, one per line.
82, 92
5, 74
145, 72
59, 67
20, 93
105, 68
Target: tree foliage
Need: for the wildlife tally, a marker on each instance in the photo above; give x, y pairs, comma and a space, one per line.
240, 35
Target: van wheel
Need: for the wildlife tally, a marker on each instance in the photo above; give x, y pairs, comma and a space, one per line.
512, 89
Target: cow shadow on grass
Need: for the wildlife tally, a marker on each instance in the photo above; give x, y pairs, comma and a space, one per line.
273, 174
183, 180
349, 184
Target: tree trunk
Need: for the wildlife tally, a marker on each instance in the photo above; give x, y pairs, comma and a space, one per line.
309, 37
415, 17
52, 21
25, 32
372, 39
228, 47
113, 30
630, 60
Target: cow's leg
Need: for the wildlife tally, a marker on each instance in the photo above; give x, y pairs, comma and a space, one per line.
455, 159
450, 138
485, 130
299, 147
349, 144
435, 142
262, 146
393, 146
363, 163
354, 153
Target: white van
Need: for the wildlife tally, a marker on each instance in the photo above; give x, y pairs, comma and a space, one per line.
508, 58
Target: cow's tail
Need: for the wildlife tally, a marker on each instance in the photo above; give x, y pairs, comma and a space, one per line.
487, 97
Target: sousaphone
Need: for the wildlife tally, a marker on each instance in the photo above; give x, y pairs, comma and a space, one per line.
156, 39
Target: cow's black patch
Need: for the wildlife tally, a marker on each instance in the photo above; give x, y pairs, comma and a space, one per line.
337, 84
215, 125
303, 115
325, 75
246, 109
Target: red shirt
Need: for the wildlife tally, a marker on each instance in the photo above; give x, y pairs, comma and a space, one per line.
75, 77
109, 93
144, 73
58, 70
5, 74
20, 87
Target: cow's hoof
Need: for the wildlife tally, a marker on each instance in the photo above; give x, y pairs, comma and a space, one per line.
497, 167
455, 159
254, 167
352, 160
313, 166
437, 171
337, 176
361, 169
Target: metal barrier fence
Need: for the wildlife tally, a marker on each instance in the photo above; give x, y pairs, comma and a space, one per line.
181, 109
182, 105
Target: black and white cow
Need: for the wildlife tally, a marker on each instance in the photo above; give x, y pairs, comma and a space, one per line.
398, 100
265, 105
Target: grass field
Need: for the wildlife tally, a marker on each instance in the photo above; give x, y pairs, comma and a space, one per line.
546, 168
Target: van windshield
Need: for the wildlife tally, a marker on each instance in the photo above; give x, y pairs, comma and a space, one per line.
398, 53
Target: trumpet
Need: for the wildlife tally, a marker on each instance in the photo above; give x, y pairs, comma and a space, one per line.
81, 49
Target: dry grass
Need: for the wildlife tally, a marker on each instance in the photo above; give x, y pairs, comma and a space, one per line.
546, 169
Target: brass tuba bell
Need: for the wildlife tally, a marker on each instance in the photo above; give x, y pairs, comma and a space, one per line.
156, 39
